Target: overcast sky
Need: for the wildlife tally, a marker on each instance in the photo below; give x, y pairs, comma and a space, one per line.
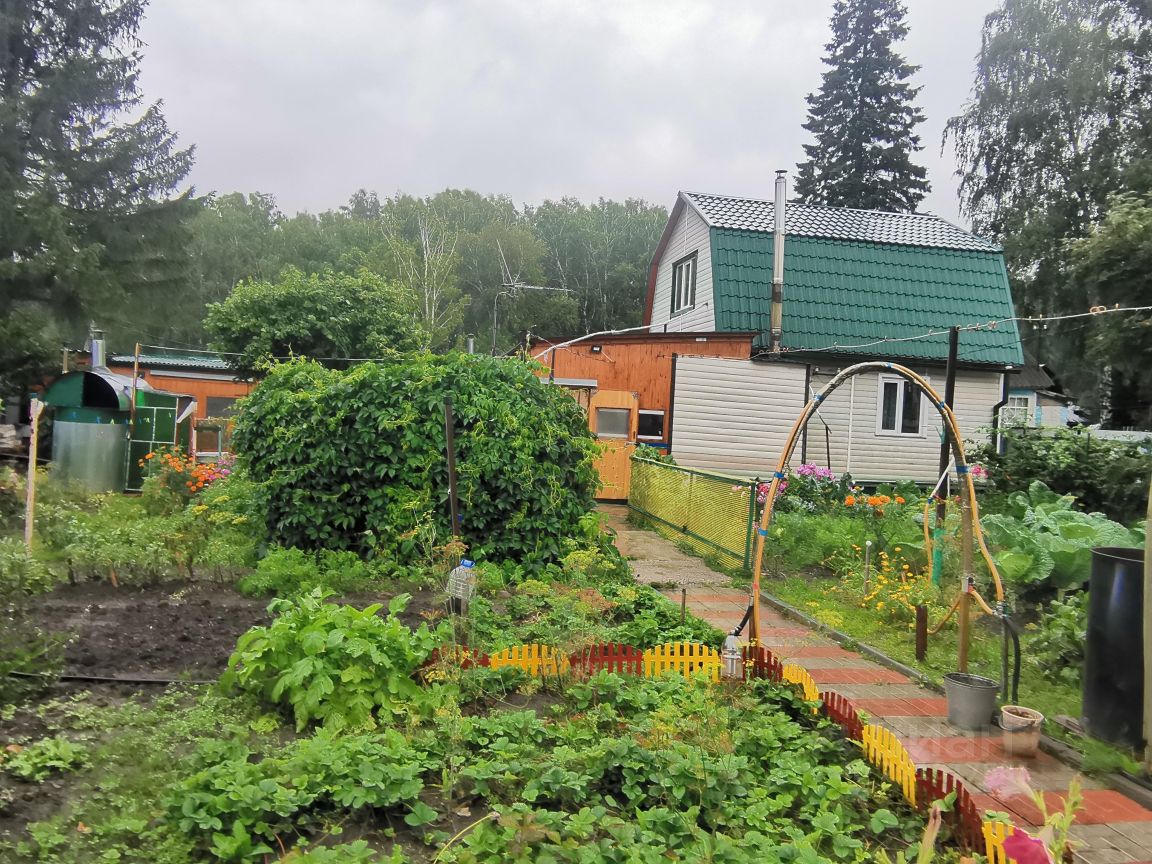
530, 98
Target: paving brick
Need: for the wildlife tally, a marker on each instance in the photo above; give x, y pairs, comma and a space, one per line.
873, 675
810, 651
1100, 807
961, 749
907, 707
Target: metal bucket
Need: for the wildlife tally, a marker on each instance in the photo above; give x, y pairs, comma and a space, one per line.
971, 700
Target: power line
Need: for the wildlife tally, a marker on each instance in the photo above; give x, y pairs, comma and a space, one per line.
987, 325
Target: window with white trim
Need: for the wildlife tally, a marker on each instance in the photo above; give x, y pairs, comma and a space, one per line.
1017, 411
684, 284
900, 408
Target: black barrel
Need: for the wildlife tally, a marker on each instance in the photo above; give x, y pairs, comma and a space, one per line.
1114, 655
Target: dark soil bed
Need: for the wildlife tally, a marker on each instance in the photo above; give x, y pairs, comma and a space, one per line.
174, 630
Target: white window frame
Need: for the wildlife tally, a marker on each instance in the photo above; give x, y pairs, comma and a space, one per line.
684, 272
664, 418
1028, 409
924, 408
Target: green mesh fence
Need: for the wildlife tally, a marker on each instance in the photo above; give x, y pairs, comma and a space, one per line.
712, 514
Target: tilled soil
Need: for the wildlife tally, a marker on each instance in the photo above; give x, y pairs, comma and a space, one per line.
173, 630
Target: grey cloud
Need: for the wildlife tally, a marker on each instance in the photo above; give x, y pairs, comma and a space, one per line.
532, 98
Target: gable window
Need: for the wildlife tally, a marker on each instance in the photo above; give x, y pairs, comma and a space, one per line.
900, 411
684, 284
1017, 411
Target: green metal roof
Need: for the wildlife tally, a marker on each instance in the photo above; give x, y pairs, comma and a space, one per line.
840, 293
839, 223
209, 362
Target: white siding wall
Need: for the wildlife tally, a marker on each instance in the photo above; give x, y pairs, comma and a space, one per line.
733, 416
689, 235
895, 457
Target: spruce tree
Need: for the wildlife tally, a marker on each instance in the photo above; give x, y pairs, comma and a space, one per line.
90, 219
863, 116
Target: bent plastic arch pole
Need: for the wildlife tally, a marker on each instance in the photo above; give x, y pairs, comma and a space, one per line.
955, 440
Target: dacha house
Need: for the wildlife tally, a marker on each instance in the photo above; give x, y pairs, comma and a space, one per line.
715, 386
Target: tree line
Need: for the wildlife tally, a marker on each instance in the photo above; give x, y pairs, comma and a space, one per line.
1053, 150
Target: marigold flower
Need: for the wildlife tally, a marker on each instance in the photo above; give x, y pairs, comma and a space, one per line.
899, 499
850, 501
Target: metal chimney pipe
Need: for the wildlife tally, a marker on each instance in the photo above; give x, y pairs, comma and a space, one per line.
471, 343
98, 354
777, 317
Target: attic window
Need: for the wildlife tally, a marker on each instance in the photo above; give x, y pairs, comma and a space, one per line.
684, 284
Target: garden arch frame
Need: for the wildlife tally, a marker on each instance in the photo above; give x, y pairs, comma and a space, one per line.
952, 428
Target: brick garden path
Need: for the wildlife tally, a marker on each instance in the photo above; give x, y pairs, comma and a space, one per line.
1111, 827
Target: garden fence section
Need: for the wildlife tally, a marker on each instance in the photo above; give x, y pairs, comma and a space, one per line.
713, 514
920, 786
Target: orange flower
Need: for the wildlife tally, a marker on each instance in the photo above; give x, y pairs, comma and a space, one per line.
850, 501
150, 455
899, 500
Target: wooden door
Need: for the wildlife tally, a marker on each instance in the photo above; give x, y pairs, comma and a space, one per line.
613, 415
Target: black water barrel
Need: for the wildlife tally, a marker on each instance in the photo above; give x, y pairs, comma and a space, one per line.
1114, 654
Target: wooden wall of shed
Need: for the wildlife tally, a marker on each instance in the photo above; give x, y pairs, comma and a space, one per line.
200, 388
643, 365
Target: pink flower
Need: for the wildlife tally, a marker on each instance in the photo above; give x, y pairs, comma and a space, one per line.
1004, 782
1023, 848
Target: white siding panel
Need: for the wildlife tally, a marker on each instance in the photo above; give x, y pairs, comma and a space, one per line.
733, 416
873, 456
689, 235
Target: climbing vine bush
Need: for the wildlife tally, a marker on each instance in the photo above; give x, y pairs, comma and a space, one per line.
356, 460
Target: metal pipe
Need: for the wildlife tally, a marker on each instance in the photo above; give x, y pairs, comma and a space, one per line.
776, 333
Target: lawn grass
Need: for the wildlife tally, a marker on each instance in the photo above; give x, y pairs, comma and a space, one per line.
898, 642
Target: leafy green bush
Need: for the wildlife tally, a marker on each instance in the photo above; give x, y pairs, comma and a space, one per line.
1041, 542
287, 572
243, 804
11, 499
331, 663
1057, 648
40, 759
356, 460
1106, 476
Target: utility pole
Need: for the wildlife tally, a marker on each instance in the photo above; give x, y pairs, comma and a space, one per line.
945, 449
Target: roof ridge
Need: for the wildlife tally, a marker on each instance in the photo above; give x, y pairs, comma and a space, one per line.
771, 202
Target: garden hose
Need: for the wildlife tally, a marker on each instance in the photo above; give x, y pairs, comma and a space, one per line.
739, 628
810, 408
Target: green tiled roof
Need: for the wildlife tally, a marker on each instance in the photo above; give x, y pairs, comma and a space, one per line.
845, 292
203, 362
838, 223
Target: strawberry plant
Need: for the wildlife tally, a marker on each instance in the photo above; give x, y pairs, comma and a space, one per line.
240, 804
333, 664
